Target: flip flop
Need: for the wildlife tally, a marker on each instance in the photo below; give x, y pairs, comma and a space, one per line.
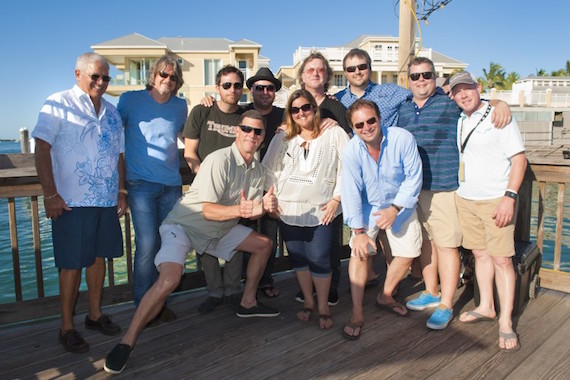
391, 307
353, 326
305, 312
509, 336
269, 291
477, 318
325, 319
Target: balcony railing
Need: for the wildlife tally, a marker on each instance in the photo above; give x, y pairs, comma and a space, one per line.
541, 214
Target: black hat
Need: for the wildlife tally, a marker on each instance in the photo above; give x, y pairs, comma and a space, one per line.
264, 74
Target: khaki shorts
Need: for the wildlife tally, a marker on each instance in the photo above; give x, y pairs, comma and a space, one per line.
175, 244
479, 229
406, 243
438, 214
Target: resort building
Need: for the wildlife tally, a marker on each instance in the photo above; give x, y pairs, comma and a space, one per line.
383, 51
201, 58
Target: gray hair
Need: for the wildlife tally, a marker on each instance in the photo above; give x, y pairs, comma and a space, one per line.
87, 59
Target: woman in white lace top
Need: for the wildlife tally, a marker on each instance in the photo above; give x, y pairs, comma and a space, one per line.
304, 165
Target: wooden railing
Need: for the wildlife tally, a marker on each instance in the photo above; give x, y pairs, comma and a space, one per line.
18, 179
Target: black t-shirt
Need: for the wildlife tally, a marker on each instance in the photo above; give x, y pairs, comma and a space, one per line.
273, 120
214, 128
333, 109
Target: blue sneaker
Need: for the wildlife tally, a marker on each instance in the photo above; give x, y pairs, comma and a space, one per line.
425, 300
440, 318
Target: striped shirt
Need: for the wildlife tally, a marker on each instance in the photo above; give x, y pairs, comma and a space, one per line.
435, 128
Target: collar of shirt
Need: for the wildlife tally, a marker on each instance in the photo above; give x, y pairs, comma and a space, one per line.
85, 101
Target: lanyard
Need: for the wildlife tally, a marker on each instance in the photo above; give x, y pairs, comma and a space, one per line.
464, 144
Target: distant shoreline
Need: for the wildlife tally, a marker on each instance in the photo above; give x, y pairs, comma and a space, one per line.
9, 140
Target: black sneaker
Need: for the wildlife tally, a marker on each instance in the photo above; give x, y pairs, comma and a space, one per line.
300, 297
333, 297
103, 324
165, 315
116, 360
233, 300
209, 305
73, 341
258, 310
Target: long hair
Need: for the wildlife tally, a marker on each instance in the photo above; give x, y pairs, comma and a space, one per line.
161, 64
328, 69
293, 129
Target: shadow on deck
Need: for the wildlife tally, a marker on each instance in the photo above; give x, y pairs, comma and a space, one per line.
220, 345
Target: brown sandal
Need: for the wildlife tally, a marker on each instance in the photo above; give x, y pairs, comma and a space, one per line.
353, 326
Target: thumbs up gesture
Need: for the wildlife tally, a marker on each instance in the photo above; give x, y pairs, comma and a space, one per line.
245, 206
270, 203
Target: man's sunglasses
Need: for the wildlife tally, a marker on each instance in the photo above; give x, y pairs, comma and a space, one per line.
304, 108
262, 87
427, 76
370, 121
361, 67
247, 129
104, 78
166, 75
228, 85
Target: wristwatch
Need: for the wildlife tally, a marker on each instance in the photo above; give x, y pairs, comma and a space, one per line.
511, 194
358, 231
398, 208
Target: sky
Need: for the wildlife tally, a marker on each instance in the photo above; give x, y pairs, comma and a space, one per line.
40, 40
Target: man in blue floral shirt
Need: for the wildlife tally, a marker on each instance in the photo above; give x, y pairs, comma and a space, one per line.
79, 160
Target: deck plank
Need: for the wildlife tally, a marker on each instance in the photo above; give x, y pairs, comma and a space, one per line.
220, 345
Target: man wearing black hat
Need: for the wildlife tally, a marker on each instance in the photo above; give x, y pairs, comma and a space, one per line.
263, 86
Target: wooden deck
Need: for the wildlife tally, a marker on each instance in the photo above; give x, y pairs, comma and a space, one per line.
220, 345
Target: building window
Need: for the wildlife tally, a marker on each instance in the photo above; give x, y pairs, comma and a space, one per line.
243, 99
139, 69
211, 68
339, 80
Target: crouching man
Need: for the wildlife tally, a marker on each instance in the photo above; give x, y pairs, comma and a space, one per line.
228, 187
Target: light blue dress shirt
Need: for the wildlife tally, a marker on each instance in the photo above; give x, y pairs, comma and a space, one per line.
368, 186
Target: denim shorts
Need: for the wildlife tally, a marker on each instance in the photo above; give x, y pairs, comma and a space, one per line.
310, 247
85, 233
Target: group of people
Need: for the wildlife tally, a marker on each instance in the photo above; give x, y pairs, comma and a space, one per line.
414, 172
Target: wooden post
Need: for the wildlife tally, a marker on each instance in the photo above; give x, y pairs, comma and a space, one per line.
407, 40
24, 140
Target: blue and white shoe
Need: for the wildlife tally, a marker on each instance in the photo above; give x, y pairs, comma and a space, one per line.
440, 318
425, 300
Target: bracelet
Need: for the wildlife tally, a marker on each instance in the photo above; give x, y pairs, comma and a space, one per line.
358, 231
123, 191
398, 208
511, 194
50, 196
335, 200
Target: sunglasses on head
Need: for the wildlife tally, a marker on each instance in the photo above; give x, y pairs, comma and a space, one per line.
370, 121
361, 67
262, 87
104, 78
427, 75
248, 129
228, 85
305, 107
166, 75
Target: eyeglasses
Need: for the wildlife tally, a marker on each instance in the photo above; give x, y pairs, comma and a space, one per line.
370, 121
166, 75
361, 67
248, 129
305, 107
104, 78
262, 87
427, 76
312, 70
228, 85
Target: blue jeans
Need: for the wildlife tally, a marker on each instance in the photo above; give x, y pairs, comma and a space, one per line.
310, 247
149, 203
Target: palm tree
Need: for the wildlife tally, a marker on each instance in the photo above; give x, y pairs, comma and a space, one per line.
558, 73
510, 79
567, 67
495, 76
540, 72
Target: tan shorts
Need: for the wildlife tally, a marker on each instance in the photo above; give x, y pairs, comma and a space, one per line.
175, 244
406, 243
479, 229
438, 214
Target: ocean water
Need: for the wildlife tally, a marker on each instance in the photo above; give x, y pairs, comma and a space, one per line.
28, 266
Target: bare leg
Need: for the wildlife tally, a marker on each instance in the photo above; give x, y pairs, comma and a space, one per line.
322, 286
485, 272
505, 279
357, 272
429, 264
306, 284
396, 271
95, 277
151, 303
448, 267
69, 280
260, 248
